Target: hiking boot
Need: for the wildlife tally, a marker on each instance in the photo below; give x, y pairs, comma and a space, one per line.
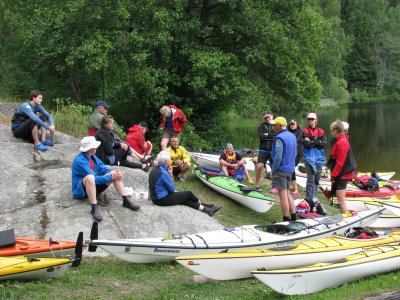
211, 210
41, 147
96, 213
319, 207
148, 160
210, 205
48, 143
128, 203
258, 189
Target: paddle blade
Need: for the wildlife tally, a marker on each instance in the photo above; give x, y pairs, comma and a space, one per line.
78, 250
94, 235
332, 219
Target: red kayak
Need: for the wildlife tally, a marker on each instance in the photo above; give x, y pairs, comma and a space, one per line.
351, 193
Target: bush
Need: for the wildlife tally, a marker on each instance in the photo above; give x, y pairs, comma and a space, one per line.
71, 118
359, 95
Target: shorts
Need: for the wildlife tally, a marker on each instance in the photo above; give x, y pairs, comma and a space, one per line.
99, 189
281, 181
176, 170
168, 134
263, 157
339, 184
24, 131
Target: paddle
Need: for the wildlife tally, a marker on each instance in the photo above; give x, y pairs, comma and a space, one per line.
94, 235
78, 250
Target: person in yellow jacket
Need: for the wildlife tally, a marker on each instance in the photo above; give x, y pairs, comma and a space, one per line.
180, 159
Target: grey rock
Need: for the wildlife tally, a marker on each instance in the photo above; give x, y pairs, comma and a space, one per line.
35, 198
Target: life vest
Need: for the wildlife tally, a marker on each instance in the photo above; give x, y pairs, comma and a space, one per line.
232, 160
361, 233
366, 183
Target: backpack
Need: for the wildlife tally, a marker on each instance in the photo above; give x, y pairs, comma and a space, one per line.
366, 183
361, 233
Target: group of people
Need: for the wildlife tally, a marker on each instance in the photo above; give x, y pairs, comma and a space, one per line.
283, 145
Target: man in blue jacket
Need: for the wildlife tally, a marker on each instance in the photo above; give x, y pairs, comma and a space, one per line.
284, 151
90, 177
25, 123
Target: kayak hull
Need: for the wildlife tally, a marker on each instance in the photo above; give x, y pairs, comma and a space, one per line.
150, 250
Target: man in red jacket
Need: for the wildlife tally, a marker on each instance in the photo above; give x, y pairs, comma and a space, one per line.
173, 121
343, 164
136, 139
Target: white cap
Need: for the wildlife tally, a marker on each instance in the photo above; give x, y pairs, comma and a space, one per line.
346, 126
89, 142
312, 116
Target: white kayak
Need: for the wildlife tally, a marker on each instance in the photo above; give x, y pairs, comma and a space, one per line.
212, 160
393, 207
150, 250
386, 221
365, 203
314, 278
237, 265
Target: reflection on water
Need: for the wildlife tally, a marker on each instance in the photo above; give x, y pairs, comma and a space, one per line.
373, 131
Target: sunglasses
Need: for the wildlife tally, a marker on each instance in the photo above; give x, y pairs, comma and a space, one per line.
310, 119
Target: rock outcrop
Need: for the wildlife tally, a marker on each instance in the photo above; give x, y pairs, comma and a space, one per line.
35, 198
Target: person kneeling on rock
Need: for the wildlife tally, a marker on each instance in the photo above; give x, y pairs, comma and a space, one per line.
162, 189
90, 177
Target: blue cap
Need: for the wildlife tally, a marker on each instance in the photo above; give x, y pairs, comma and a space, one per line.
266, 113
229, 145
102, 103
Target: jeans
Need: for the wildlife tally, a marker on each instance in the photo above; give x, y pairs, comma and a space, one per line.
312, 182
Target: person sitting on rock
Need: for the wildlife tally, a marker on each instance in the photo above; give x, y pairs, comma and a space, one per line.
90, 177
112, 151
25, 123
180, 159
141, 149
233, 164
97, 115
162, 189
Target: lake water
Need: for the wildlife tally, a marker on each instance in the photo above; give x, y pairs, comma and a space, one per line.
373, 131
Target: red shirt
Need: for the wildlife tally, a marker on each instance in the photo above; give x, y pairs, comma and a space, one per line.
339, 153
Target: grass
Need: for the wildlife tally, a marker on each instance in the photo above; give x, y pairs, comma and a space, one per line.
111, 278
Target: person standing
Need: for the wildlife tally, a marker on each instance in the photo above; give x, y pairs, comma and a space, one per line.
294, 128
180, 159
90, 177
162, 189
313, 141
267, 135
343, 164
284, 151
25, 123
173, 121
97, 115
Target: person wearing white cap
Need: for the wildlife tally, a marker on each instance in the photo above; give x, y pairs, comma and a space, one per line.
284, 151
313, 141
90, 177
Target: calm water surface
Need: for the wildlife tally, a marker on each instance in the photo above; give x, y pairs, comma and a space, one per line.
374, 131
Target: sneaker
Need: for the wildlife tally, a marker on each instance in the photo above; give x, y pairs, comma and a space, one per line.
48, 143
258, 189
149, 159
96, 213
211, 210
41, 147
274, 191
251, 182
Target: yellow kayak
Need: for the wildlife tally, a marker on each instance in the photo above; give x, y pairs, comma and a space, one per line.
239, 264
29, 268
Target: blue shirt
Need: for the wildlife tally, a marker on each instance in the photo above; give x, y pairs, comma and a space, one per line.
29, 111
168, 123
81, 168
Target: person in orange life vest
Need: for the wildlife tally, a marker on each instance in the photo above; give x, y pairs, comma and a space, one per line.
313, 141
141, 149
343, 164
173, 121
230, 161
97, 115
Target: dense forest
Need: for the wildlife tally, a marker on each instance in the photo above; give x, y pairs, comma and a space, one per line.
206, 56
